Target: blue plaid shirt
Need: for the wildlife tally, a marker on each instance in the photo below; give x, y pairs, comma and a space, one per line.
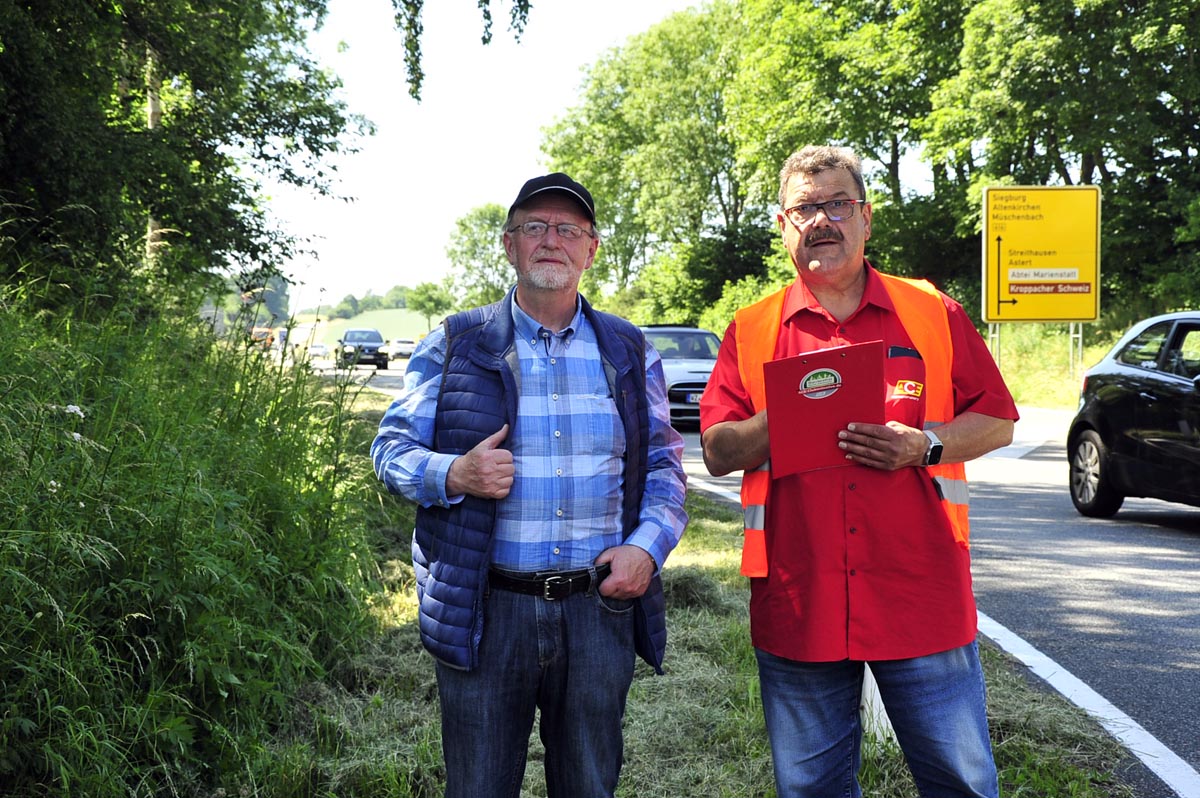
568, 447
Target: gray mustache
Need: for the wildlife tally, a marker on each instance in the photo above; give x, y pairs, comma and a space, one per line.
822, 235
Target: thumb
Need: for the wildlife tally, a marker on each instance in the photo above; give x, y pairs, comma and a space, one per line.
495, 439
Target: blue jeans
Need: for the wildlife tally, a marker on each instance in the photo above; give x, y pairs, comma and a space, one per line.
937, 706
573, 660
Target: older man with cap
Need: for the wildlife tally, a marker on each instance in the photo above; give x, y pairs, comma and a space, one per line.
534, 436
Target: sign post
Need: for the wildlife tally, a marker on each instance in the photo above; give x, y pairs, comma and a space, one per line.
1041, 253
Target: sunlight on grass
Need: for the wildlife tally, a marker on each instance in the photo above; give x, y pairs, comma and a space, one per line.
1036, 361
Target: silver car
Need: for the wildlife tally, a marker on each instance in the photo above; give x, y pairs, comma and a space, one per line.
402, 347
688, 356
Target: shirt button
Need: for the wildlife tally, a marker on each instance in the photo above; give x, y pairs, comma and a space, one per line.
557, 433
556, 550
852, 572
558, 513
553, 361
852, 486
554, 396
853, 530
558, 472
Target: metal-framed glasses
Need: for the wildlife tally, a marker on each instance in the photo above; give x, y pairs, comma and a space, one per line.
835, 210
565, 230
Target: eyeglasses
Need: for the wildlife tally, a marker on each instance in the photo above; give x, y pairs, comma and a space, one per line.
539, 229
835, 210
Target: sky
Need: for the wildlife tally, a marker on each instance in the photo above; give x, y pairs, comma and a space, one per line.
472, 140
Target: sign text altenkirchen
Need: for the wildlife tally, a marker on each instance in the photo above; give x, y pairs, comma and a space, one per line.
1041, 253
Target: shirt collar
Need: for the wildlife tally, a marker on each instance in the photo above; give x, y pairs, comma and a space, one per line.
529, 330
800, 298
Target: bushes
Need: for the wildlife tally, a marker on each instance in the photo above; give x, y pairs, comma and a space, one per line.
179, 554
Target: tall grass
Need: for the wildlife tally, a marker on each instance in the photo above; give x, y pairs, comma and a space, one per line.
181, 550
1042, 365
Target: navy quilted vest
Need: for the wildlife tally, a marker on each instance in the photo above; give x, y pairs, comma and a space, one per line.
452, 545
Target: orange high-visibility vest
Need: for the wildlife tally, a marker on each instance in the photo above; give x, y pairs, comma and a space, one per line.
927, 323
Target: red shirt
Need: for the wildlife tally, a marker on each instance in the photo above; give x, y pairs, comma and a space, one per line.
862, 563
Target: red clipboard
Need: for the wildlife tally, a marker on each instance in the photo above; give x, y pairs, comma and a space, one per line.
814, 395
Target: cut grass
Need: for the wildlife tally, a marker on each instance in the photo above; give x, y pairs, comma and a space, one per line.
696, 731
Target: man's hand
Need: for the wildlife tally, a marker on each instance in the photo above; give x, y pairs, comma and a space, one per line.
632, 568
887, 446
894, 445
485, 471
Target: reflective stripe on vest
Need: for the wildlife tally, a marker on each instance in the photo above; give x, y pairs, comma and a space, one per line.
924, 318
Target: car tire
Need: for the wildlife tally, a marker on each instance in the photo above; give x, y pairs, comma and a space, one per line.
381, 365
1092, 489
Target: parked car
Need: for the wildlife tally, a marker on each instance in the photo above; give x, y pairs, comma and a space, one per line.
362, 347
402, 347
688, 356
1137, 432
318, 351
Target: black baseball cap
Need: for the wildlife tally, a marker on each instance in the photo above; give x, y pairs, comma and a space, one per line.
556, 181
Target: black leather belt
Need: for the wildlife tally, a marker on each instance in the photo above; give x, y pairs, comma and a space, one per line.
550, 585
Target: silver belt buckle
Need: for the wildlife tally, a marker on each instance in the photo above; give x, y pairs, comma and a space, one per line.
550, 581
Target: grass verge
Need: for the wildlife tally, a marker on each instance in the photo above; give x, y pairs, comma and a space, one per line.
696, 731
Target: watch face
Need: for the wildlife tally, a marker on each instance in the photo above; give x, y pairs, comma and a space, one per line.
935, 454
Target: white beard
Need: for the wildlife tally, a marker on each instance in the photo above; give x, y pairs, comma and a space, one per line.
549, 276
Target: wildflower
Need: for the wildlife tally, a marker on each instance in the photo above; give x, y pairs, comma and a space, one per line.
74, 409
77, 437
53, 486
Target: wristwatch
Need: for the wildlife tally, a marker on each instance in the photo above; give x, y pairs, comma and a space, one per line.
933, 453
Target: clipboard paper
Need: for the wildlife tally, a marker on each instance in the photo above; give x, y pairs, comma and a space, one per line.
814, 395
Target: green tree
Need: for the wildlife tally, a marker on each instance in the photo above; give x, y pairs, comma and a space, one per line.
1104, 92
858, 73
481, 273
408, 20
370, 302
429, 300
159, 114
652, 142
135, 135
396, 297
346, 309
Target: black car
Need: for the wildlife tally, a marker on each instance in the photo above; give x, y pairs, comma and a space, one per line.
1137, 432
688, 356
364, 347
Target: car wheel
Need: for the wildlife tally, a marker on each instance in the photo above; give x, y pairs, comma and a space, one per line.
381, 365
1092, 490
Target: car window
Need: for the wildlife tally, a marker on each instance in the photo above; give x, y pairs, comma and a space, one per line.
680, 345
363, 336
1143, 351
1184, 359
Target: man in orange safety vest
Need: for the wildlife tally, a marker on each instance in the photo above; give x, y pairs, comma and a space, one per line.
867, 562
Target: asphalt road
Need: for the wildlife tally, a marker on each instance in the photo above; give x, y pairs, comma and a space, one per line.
1115, 602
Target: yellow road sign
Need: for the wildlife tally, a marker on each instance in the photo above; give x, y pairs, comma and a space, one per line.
1041, 253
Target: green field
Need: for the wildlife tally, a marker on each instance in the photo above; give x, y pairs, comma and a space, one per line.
392, 322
